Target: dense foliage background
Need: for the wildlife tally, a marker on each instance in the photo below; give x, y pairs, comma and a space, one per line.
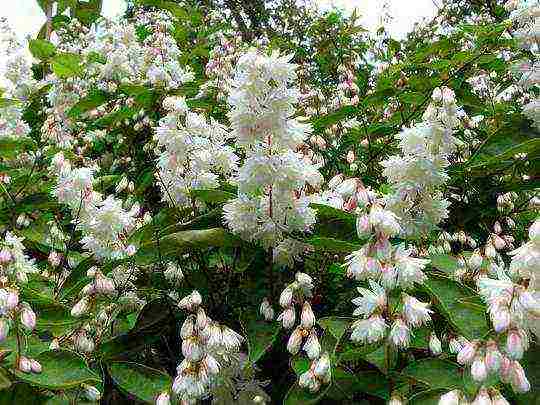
123, 343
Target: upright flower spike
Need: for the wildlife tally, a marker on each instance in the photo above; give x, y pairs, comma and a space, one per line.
272, 182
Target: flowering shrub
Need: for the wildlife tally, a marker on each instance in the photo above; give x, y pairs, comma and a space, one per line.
203, 203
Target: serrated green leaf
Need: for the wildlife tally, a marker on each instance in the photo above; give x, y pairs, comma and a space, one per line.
66, 65
41, 49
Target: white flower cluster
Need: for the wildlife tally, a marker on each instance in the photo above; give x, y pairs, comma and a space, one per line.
272, 181
207, 347
385, 267
104, 222
192, 153
20, 81
14, 269
417, 174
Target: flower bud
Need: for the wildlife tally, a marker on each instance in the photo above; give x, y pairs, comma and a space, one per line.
475, 260
24, 365
188, 328
478, 369
287, 317
28, 318
493, 357
482, 398
91, 392
518, 379
266, 310
307, 317
295, 341
285, 299
498, 399
322, 365
500, 319
5, 256
304, 280
435, 345
35, 366
515, 345
81, 307
395, 400
312, 347
467, 353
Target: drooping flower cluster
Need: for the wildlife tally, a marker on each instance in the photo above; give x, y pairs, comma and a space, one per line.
15, 266
418, 173
304, 336
207, 347
272, 181
104, 222
193, 153
385, 267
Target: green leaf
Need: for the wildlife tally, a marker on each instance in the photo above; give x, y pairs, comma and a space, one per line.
6, 102
454, 301
213, 196
41, 49
445, 263
93, 100
347, 385
333, 245
142, 382
62, 369
66, 65
178, 243
336, 326
261, 335
435, 373
298, 395
5, 381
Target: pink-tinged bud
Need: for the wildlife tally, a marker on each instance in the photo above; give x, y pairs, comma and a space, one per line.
295, 341
450, 398
478, 369
482, 398
490, 251
35, 366
312, 347
285, 299
12, 299
188, 328
287, 317
500, 319
505, 370
435, 346
28, 318
4, 329
467, 353
5, 256
24, 365
163, 399
515, 345
307, 317
518, 379
493, 357
529, 302
202, 319
497, 227
81, 307
91, 392
131, 250
322, 366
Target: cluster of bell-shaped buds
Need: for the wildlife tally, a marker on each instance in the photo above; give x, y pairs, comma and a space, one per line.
15, 315
419, 172
443, 245
192, 153
207, 347
484, 396
304, 336
319, 372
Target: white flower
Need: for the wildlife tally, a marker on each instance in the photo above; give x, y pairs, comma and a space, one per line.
415, 312
307, 317
435, 346
370, 300
450, 398
369, 330
400, 334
